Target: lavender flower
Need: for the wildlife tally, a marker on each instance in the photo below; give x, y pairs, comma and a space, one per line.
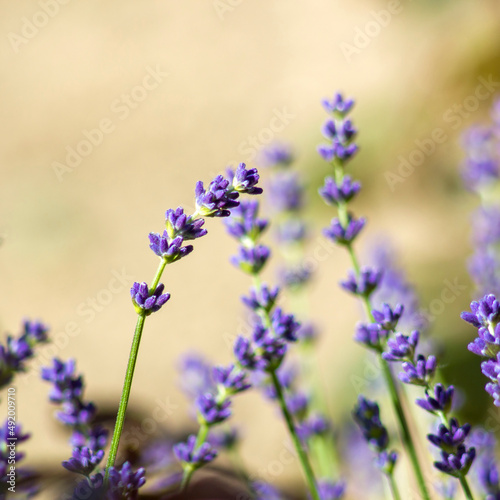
218, 200
231, 378
145, 301
124, 483
371, 335
401, 347
284, 325
179, 224
419, 372
263, 298
338, 104
334, 193
450, 438
251, 260
456, 464
170, 250
244, 222
83, 461
195, 457
441, 401
365, 284
344, 235
387, 317
243, 180
286, 193
212, 411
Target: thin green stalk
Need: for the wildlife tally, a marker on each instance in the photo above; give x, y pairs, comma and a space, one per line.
129, 375
127, 385
394, 487
465, 487
303, 458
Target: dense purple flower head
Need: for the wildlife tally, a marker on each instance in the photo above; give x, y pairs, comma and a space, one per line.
286, 192
387, 317
195, 375
484, 312
330, 152
401, 347
251, 260
365, 284
450, 438
367, 415
232, 378
328, 490
276, 155
211, 410
217, 200
419, 372
145, 301
344, 235
441, 400
338, 104
189, 454
334, 193
456, 464
284, 325
124, 483
487, 344
170, 250
370, 335
244, 180
244, 222
66, 385
262, 299
179, 224
83, 461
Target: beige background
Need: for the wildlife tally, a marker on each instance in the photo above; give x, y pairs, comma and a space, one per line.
228, 73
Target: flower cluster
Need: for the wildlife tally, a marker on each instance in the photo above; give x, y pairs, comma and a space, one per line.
88, 439
367, 415
18, 350
485, 316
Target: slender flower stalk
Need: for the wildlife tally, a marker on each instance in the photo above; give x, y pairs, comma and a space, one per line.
216, 201
273, 330
339, 190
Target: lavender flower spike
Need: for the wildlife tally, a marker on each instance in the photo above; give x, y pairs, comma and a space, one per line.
334, 193
170, 250
147, 302
344, 235
440, 402
401, 347
179, 224
196, 458
83, 461
124, 483
366, 284
244, 181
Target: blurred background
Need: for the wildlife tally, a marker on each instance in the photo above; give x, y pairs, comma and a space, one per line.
111, 113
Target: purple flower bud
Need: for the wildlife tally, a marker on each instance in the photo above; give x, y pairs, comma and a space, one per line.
243, 180
211, 410
441, 400
365, 284
456, 464
233, 379
421, 372
217, 200
334, 193
251, 260
179, 224
124, 483
284, 325
170, 250
388, 318
186, 452
370, 335
449, 439
344, 235
262, 299
367, 415
338, 104
146, 302
83, 461
401, 347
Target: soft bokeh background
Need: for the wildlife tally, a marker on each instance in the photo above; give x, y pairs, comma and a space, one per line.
224, 69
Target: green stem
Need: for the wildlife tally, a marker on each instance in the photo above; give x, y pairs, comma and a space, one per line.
127, 385
405, 430
129, 375
303, 458
394, 487
465, 487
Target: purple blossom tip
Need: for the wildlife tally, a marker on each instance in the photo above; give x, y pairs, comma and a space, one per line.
168, 249
145, 301
196, 457
179, 224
